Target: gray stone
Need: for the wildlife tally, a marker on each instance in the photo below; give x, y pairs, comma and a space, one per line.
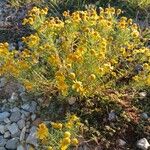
28, 118
21, 89
22, 135
27, 126
3, 82
28, 147
33, 117
112, 116
31, 139
15, 109
24, 96
142, 95
20, 147
15, 116
7, 134
144, 116
40, 100
25, 107
143, 144
14, 130
33, 129
14, 97
26, 113
5, 107
4, 101
21, 123
2, 129
2, 148
23, 116
121, 142
28, 123
2, 141
30, 107
12, 144
6, 120
4, 115
33, 106
11, 47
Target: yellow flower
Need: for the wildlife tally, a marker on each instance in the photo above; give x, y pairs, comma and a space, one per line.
135, 33
73, 118
42, 131
30, 21
67, 134
72, 75
92, 77
148, 80
28, 85
93, 52
130, 21
118, 11
74, 141
56, 125
69, 125
65, 13
65, 141
64, 147
25, 21
50, 148
77, 86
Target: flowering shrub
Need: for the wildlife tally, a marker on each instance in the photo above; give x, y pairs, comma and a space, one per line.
61, 136
84, 54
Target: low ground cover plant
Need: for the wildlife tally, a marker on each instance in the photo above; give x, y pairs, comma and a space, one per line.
91, 54
83, 55
61, 136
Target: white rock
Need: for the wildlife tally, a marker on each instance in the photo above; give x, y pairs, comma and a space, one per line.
143, 144
6, 120
2, 129
7, 134
14, 97
145, 116
142, 94
20, 147
22, 135
33, 117
112, 116
121, 142
71, 100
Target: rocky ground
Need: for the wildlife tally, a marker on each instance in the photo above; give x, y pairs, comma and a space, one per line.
18, 119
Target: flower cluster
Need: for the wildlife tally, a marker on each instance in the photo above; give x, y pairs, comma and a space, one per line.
61, 136
84, 54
